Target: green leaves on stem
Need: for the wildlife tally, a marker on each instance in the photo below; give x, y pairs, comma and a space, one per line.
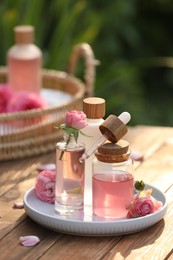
69, 132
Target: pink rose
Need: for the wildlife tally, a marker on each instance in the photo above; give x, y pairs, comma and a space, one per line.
24, 100
76, 119
143, 204
45, 186
5, 96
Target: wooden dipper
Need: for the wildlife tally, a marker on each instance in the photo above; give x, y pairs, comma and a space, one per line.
113, 128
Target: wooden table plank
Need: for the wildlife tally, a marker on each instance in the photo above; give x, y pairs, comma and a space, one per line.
75, 247
12, 172
158, 169
152, 243
146, 139
14, 188
12, 249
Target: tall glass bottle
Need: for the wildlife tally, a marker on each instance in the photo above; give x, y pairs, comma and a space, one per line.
94, 108
69, 191
113, 182
24, 61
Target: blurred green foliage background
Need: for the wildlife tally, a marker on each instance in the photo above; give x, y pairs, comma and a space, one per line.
132, 39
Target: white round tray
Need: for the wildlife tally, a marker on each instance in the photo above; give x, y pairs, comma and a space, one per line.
80, 224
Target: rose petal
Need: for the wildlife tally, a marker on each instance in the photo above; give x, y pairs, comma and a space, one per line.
18, 205
137, 156
49, 166
29, 240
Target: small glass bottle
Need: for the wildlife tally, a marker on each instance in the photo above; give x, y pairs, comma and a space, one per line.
24, 61
94, 108
69, 190
113, 182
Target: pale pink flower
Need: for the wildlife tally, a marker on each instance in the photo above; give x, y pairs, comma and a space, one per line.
143, 204
5, 96
29, 240
76, 119
24, 100
137, 156
45, 186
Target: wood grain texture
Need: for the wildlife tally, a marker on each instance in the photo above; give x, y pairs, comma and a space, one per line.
14, 182
74, 247
152, 243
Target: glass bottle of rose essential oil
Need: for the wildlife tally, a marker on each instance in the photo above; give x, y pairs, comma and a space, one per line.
69, 190
24, 60
112, 182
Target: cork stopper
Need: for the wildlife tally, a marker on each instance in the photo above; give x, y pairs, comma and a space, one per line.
110, 152
113, 128
94, 107
24, 34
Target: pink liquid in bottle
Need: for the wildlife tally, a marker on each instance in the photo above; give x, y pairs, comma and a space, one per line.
25, 74
112, 193
69, 180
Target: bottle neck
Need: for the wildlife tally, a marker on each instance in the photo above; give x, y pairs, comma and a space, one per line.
23, 44
70, 141
95, 120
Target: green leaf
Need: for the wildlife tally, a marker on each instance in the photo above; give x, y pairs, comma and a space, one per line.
139, 185
62, 126
69, 130
76, 134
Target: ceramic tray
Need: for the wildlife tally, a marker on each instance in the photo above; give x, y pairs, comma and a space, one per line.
85, 224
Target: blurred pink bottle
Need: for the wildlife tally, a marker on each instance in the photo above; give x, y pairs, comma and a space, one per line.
24, 61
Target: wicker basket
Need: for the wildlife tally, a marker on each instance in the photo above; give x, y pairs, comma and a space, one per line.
32, 132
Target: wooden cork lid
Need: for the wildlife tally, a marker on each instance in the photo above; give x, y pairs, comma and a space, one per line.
24, 34
94, 107
109, 152
113, 128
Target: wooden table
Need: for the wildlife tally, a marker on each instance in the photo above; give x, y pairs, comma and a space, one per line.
156, 242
